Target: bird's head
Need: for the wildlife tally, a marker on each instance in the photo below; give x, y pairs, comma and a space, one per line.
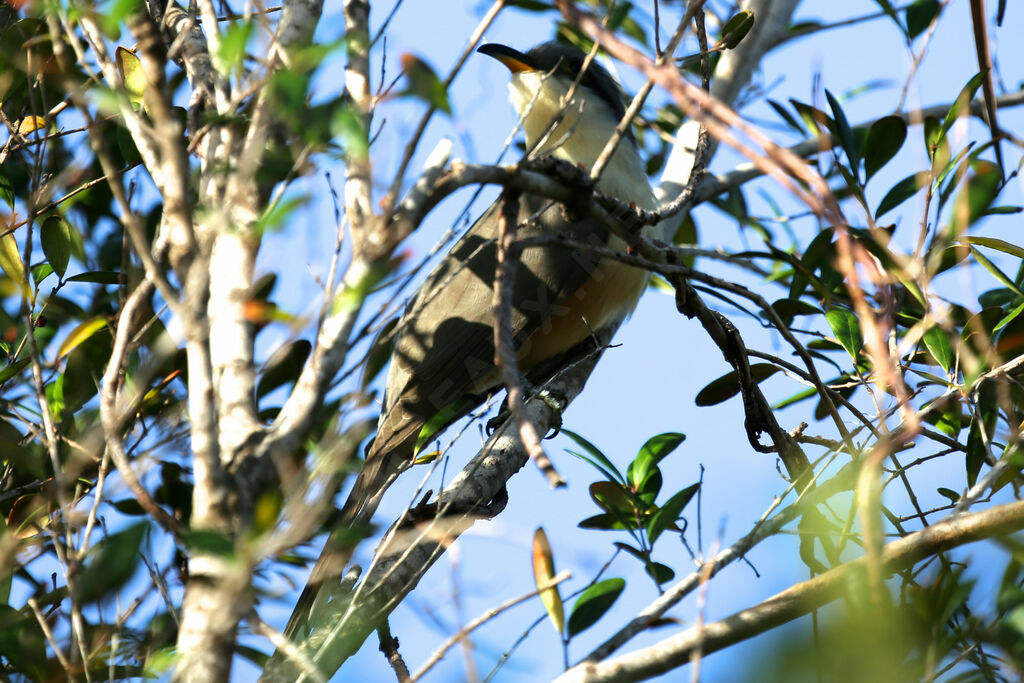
541, 77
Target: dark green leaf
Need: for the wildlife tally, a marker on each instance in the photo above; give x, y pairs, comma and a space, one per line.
737, 28
884, 139
6, 189
919, 15
659, 572
593, 603
55, 236
618, 15
937, 342
614, 498
985, 419
531, 5
787, 117
816, 120
845, 132
100, 277
728, 385
113, 562
651, 453
790, 308
668, 513
902, 191
949, 493
846, 329
23, 645
128, 506
603, 464
891, 12
283, 366
602, 522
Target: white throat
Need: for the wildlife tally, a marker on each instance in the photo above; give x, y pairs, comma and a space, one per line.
580, 137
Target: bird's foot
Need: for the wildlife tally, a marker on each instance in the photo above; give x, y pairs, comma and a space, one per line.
552, 399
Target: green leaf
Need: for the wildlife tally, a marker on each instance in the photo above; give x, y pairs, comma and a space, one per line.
348, 127
937, 342
651, 453
602, 463
846, 329
919, 15
884, 139
615, 499
1010, 317
6, 189
55, 236
815, 119
845, 132
737, 28
593, 603
99, 277
961, 104
728, 385
113, 562
977, 453
230, 57
603, 522
659, 572
902, 191
40, 272
787, 117
996, 273
424, 84
13, 369
668, 513
891, 12
953, 496
283, 366
531, 5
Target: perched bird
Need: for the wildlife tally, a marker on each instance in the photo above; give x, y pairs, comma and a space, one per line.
443, 362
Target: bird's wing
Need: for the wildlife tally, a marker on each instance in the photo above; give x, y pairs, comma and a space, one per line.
444, 352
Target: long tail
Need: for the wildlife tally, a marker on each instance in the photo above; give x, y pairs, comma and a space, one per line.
373, 480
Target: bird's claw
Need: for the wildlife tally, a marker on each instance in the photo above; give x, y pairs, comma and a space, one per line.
551, 399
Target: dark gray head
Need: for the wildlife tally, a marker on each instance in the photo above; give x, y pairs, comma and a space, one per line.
565, 61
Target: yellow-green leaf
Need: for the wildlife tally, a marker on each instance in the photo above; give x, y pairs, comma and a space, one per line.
130, 68
10, 259
78, 335
544, 572
29, 124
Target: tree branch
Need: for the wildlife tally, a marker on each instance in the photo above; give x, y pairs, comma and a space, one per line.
800, 599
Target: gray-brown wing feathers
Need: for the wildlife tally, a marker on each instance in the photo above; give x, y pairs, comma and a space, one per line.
444, 351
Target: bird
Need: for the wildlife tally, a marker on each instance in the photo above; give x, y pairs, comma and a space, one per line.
443, 363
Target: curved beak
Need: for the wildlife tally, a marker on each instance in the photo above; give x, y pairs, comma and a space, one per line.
514, 60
